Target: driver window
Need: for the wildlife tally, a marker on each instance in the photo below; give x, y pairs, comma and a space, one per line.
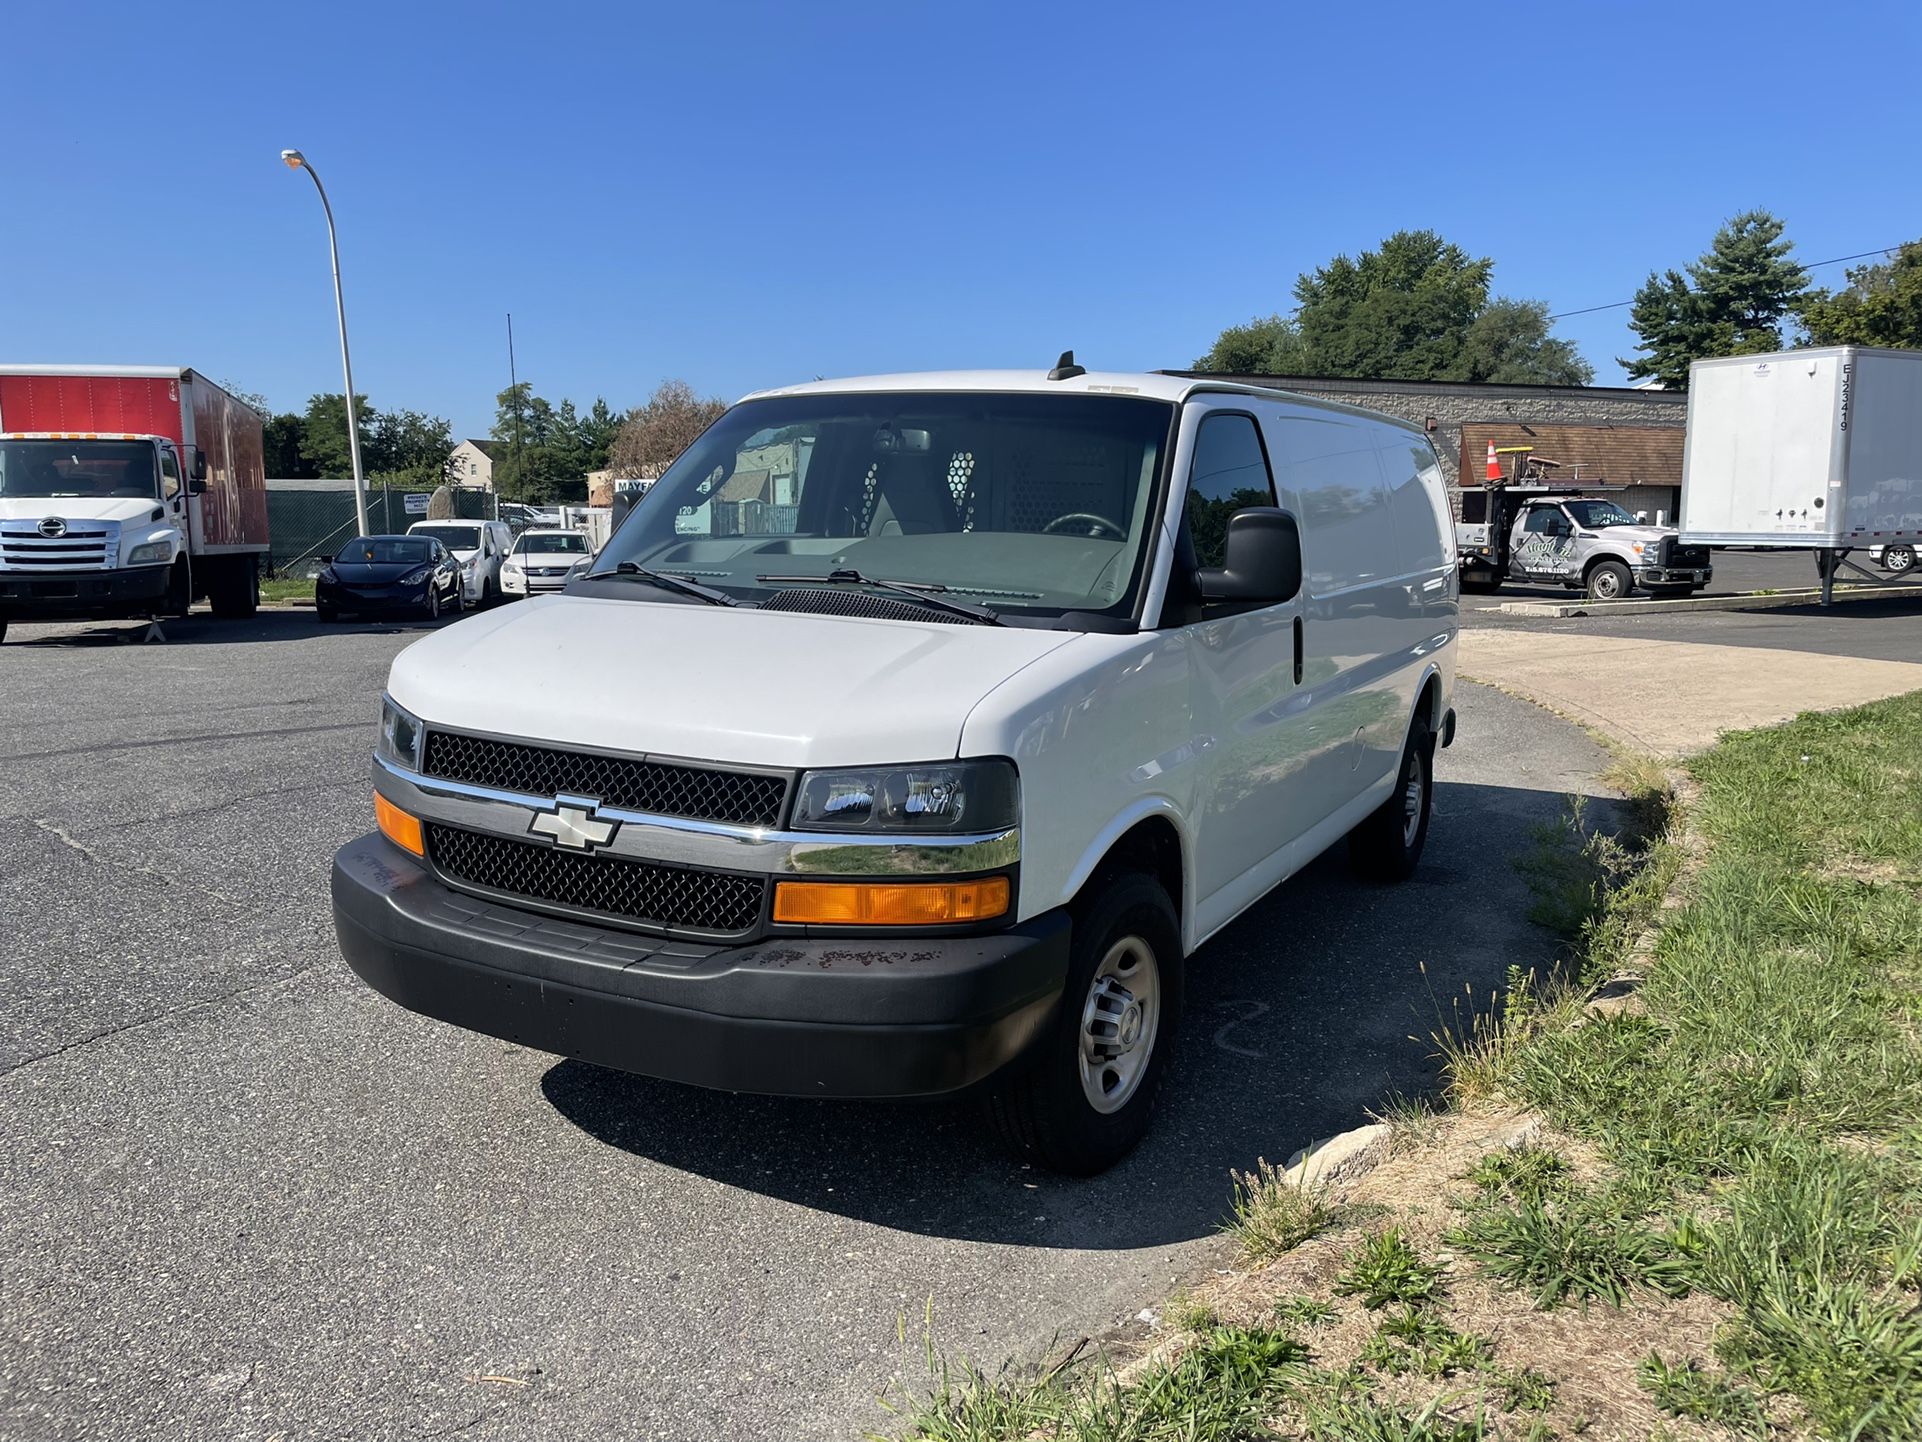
1546, 521
1230, 474
169, 475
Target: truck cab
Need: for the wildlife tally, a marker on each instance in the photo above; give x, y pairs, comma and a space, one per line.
1585, 542
92, 525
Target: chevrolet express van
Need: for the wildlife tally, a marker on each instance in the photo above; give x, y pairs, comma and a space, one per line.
911, 733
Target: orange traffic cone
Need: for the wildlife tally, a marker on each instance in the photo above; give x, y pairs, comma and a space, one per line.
1494, 466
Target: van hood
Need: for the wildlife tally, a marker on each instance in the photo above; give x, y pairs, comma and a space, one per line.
76, 508
759, 688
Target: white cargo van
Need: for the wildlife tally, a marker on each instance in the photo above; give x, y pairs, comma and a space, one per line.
909, 735
480, 547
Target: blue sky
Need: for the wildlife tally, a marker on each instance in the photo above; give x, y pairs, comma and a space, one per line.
750, 194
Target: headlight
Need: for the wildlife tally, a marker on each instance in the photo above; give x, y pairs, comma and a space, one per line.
514, 566
415, 576
401, 735
953, 796
470, 563
150, 554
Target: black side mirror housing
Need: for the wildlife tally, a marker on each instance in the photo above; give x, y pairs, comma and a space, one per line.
1261, 563
197, 486
199, 469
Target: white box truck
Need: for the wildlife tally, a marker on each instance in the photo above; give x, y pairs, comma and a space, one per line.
1817, 449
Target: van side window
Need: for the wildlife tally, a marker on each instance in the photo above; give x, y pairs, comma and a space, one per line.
1230, 474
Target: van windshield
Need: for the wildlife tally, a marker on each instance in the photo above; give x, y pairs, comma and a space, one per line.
552, 543
455, 538
52, 468
1024, 502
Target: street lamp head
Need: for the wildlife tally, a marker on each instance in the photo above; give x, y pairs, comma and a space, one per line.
293, 159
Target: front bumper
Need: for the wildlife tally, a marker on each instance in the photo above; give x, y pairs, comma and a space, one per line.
527, 584
372, 598
136, 590
1674, 575
893, 1016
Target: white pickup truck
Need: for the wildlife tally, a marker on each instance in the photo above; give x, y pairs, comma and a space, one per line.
1544, 535
911, 733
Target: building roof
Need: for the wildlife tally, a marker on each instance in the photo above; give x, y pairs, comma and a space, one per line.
1612, 455
493, 450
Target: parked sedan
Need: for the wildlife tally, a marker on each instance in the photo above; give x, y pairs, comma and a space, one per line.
410, 574
1896, 557
541, 560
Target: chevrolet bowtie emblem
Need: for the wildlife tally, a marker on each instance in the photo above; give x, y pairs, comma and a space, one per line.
573, 824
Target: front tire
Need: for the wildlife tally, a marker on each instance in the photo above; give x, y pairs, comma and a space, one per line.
1387, 846
433, 604
1083, 1098
1898, 559
1610, 581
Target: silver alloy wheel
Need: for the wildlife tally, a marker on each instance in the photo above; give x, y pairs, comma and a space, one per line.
1898, 558
1411, 793
1119, 1023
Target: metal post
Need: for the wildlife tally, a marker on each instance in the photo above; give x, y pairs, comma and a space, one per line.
299, 162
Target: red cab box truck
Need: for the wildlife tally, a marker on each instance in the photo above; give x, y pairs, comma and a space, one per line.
127, 491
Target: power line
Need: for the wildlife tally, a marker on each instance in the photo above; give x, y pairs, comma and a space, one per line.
1812, 265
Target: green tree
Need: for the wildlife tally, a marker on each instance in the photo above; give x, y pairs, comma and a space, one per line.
1266, 345
323, 440
1398, 313
541, 463
408, 449
1417, 308
284, 436
1881, 306
1732, 301
1509, 344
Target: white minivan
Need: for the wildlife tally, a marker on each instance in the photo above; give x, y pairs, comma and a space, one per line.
481, 548
911, 733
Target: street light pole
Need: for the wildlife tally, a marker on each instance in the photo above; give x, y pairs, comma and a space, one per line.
294, 160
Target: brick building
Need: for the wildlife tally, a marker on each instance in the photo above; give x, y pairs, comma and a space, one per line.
1608, 435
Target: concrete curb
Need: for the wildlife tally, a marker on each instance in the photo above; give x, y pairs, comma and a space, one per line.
1747, 601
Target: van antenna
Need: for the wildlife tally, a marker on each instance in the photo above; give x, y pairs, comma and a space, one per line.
1065, 369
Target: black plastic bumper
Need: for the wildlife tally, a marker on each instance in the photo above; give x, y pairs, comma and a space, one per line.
898, 1016
62, 594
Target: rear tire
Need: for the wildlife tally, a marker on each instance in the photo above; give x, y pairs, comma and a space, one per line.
1480, 583
234, 589
1609, 581
326, 615
1387, 845
1082, 1099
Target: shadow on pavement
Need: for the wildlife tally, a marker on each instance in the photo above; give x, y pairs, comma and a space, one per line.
269, 625
1300, 1017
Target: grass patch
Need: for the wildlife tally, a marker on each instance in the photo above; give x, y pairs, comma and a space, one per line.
1685, 1389
1272, 1215
286, 588
1766, 1098
1385, 1269
1306, 1311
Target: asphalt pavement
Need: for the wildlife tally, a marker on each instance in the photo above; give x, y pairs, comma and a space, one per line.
242, 1196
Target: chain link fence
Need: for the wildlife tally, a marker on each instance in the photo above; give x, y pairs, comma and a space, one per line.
304, 525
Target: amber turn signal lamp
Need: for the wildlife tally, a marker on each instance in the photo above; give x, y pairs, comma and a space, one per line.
398, 827
877, 903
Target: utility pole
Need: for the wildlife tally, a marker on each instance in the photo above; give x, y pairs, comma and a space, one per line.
514, 386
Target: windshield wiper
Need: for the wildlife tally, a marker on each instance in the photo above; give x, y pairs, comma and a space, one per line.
928, 593
667, 581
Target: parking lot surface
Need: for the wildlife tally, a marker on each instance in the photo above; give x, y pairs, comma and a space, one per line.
245, 1197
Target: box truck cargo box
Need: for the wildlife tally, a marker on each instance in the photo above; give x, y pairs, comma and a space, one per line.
1808, 449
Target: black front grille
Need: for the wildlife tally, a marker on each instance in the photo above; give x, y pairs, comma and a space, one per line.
627, 782
1680, 555
674, 897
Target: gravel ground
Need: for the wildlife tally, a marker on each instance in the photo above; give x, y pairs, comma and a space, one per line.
245, 1197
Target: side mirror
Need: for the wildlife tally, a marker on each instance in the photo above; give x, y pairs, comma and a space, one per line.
1261, 564
199, 469
198, 485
